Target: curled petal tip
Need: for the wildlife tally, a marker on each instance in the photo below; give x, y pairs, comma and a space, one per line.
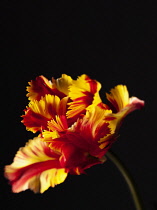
138, 103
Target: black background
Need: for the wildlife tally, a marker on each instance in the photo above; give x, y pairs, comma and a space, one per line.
114, 43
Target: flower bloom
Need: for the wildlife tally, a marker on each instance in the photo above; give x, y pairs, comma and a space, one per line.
75, 130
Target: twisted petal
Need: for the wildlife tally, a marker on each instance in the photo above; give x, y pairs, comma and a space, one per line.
122, 105
35, 167
134, 103
40, 112
82, 92
119, 99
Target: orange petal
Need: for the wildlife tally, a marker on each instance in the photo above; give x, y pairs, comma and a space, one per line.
35, 167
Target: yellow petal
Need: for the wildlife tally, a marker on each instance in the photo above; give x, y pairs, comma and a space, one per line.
59, 124
33, 152
64, 83
115, 119
49, 135
119, 97
47, 106
82, 85
40, 112
83, 92
38, 88
51, 178
92, 122
35, 167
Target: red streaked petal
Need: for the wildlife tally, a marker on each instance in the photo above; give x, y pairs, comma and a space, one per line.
59, 123
83, 92
82, 86
115, 119
92, 123
93, 84
33, 165
52, 177
21, 179
78, 107
63, 83
62, 109
40, 112
84, 134
118, 97
34, 122
40, 87
134, 104
74, 152
93, 128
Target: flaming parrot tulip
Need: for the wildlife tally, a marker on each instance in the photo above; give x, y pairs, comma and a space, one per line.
75, 130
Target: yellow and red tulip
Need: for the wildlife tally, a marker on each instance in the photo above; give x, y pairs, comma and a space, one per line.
75, 127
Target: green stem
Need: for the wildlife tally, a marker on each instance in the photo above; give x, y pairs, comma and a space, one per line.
129, 180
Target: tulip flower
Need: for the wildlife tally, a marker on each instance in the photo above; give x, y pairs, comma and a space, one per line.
75, 130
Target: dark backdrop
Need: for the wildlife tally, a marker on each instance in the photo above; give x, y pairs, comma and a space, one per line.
113, 43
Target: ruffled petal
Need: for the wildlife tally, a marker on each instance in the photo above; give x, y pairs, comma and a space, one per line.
134, 104
40, 112
35, 167
94, 123
40, 87
118, 97
95, 128
52, 177
59, 123
74, 151
77, 130
82, 93
63, 83
83, 137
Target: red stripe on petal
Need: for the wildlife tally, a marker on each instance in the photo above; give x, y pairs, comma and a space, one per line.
31, 164
109, 118
21, 176
94, 85
40, 87
34, 121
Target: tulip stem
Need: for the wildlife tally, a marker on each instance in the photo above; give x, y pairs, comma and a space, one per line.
128, 178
